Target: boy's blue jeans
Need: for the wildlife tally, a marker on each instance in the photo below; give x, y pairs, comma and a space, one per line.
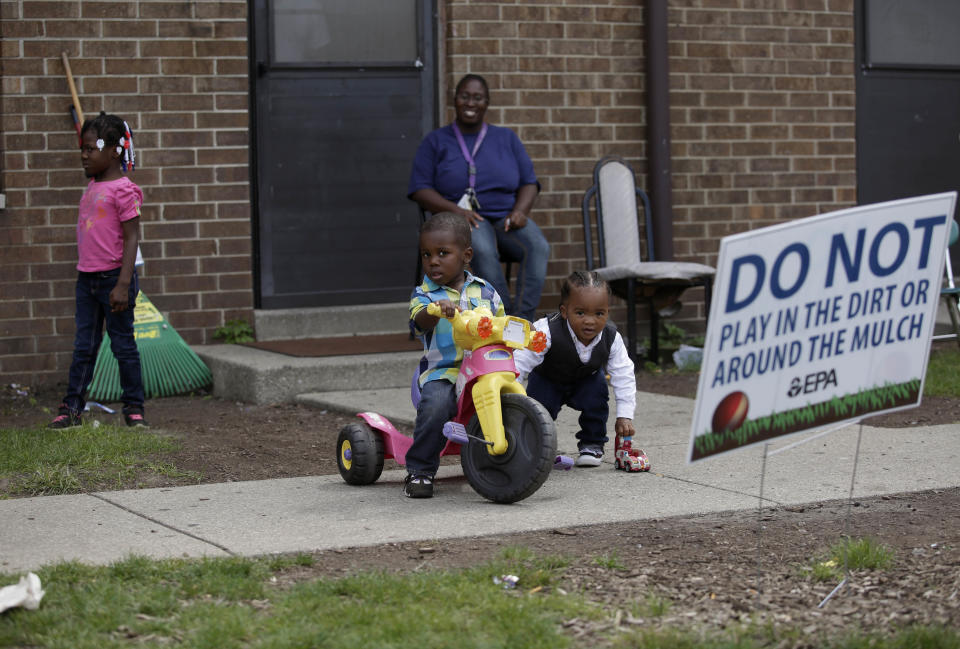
93, 309
438, 405
590, 396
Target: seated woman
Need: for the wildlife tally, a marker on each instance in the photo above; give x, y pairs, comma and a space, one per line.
483, 173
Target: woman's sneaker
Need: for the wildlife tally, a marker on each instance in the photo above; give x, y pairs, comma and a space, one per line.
590, 455
418, 486
65, 419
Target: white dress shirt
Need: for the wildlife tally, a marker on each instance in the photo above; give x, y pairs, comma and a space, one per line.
618, 366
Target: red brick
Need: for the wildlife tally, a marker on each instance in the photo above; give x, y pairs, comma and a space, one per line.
236, 48
221, 264
170, 86
172, 194
236, 10
236, 29
175, 302
233, 174
174, 230
221, 84
236, 282
238, 67
30, 363
233, 211
27, 327
51, 9
235, 192
187, 175
190, 66
189, 283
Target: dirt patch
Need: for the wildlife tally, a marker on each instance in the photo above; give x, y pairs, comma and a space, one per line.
227, 441
722, 570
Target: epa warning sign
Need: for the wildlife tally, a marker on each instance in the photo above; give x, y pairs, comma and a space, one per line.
820, 321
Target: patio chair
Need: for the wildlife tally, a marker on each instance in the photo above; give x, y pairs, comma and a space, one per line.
628, 262
950, 293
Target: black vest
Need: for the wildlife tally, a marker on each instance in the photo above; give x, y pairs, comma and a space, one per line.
561, 364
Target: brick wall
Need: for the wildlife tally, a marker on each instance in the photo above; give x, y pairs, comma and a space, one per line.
762, 107
177, 72
762, 113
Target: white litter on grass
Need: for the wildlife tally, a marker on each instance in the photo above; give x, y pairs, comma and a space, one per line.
27, 593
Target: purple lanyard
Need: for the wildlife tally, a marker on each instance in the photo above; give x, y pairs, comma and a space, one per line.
471, 165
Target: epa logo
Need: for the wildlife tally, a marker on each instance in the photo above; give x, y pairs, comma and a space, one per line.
812, 383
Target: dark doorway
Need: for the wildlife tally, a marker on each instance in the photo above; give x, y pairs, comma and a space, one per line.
343, 92
908, 99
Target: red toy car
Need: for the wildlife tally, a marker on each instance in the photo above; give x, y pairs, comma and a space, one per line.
630, 459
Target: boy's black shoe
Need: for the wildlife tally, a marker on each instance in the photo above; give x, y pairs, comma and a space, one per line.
418, 486
136, 419
65, 419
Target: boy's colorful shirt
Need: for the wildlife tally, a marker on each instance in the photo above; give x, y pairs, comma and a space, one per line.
103, 209
441, 357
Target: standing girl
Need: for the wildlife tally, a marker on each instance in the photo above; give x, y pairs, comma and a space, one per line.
107, 286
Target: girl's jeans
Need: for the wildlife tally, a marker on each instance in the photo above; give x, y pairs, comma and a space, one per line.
93, 309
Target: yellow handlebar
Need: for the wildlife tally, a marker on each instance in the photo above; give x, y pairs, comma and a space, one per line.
479, 327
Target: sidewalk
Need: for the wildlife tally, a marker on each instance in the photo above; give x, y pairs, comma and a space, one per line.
323, 512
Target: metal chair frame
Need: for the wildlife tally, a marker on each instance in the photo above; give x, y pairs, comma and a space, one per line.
629, 288
951, 293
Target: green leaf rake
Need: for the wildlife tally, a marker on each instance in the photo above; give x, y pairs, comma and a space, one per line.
168, 365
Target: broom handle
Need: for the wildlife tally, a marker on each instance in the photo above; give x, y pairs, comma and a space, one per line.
73, 88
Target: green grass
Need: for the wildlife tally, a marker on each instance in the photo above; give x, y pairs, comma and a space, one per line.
226, 603
38, 462
855, 554
942, 379
610, 561
653, 605
257, 604
822, 413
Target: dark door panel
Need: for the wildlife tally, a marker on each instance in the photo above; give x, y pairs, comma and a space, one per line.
908, 100
334, 149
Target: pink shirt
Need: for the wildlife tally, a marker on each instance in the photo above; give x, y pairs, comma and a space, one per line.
104, 206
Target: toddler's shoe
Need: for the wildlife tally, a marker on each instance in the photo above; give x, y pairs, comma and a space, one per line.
136, 419
590, 455
418, 486
65, 419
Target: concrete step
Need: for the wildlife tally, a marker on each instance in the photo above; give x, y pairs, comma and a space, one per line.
256, 376
325, 322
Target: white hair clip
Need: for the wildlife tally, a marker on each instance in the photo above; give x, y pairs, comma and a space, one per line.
100, 144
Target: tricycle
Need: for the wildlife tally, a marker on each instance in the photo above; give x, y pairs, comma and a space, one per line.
506, 440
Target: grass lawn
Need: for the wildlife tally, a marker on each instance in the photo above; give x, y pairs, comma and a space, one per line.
44, 462
259, 603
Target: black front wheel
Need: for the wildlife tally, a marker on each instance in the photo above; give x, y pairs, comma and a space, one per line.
359, 454
531, 451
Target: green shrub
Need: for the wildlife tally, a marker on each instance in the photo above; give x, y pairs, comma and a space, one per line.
234, 331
